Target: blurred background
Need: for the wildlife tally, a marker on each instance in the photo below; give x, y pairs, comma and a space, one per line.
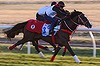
16, 11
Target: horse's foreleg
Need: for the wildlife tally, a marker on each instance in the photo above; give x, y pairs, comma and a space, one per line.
56, 52
54, 46
64, 52
36, 47
72, 53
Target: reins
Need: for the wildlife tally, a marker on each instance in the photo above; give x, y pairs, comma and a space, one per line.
70, 30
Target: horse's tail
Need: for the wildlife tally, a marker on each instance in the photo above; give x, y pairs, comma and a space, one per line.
18, 28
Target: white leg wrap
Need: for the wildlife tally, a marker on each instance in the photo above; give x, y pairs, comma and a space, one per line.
19, 47
76, 59
41, 55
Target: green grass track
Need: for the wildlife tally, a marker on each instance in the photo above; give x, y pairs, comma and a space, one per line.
21, 58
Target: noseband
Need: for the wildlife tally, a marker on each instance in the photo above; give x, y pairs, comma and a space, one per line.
79, 19
79, 16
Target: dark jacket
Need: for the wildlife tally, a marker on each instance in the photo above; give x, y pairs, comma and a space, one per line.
60, 12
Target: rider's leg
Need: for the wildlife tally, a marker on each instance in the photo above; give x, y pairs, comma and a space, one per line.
52, 20
40, 17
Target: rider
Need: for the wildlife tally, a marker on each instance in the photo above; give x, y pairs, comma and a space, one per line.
62, 5
40, 14
53, 12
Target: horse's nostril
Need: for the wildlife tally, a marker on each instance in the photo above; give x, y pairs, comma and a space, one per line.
90, 26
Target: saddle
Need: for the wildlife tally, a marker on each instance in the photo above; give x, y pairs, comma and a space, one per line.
40, 27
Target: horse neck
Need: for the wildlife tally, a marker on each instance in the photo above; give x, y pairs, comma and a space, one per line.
69, 25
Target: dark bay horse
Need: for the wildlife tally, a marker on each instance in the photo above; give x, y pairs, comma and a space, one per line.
62, 38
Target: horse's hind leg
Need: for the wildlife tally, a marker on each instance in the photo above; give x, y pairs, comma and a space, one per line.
18, 43
36, 47
20, 47
42, 47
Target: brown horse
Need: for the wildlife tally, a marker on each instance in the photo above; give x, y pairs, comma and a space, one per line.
11, 32
62, 37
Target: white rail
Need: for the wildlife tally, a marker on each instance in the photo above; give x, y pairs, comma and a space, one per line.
92, 37
79, 29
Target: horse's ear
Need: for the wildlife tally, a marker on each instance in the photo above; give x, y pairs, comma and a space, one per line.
74, 10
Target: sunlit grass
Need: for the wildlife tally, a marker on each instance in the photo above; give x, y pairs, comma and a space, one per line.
19, 58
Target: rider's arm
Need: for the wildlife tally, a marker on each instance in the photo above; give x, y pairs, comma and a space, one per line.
59, 12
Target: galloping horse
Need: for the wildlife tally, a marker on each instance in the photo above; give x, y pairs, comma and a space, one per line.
62, 37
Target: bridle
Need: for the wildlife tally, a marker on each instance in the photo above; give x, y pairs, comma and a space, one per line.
79, 16
76, 23
79, 19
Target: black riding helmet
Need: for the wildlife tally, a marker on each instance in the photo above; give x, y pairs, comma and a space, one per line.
53, 3
61, 4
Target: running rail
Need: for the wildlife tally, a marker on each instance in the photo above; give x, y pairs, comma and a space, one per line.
92, 37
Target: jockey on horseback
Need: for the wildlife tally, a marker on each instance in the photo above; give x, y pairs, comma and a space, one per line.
40, 14
54, 13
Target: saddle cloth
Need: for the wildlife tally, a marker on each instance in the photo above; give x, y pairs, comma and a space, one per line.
40, 27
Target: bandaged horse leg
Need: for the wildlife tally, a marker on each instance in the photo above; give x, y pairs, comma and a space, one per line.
12, 47
54, 46
56, 52
42, 47
36, 47
41, 55
20, 47
72, 53
64, 52
17, 44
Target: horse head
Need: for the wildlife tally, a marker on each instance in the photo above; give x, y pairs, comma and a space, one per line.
80, 19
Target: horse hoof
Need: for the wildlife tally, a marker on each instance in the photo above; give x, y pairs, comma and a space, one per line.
53, 51
11, 47
76, 59
52, 58
41, 55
